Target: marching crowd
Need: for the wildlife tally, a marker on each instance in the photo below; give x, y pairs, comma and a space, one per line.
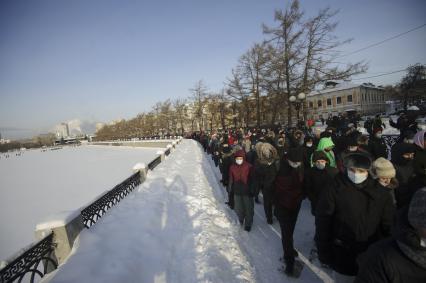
370, 212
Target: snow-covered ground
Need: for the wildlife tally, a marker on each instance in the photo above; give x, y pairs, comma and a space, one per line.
176, 228
38, 184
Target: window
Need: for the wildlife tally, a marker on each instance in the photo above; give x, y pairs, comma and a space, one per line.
319, 103
311, 104
328, 102
339, 100
349, 98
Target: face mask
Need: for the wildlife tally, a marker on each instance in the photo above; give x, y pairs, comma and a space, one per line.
309, 144
239, 161
423, 242
294, 164
320, 166
353, 148
409, 141
379, 136
357, 178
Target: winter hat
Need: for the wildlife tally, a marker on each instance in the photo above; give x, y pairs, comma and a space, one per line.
295, 154
319, 155
357, 160
419, 139
351, 142
377, 129
417, 209
383, 168
240, 153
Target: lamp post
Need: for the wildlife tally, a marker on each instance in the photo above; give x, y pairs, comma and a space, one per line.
297, 101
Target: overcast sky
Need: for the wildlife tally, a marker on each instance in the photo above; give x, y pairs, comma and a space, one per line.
104, 60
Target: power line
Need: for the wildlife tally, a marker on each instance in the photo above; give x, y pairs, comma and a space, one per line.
384, 74
383, 41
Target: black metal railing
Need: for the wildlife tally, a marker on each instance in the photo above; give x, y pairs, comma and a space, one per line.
167, 152
390, 140
94, 211
154, 163
27, 265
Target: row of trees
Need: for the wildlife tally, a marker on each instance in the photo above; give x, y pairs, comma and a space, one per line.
296, 55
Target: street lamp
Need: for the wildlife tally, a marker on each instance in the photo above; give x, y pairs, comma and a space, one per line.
297, 102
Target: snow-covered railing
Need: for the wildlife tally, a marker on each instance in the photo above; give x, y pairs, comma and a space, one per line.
56, 236
27, 264
94, 211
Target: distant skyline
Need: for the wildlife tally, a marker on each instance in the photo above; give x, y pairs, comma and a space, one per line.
103, 60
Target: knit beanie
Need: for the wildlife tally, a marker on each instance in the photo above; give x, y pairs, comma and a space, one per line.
319, 155
417, 209
383, 168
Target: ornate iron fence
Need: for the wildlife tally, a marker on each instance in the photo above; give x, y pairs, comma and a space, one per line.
167, 152
94, 211
28, 263
154, 163
390, 140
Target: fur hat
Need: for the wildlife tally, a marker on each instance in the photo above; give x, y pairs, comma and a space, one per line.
319, 155
357, 160
266, 152
383, 168
417, 209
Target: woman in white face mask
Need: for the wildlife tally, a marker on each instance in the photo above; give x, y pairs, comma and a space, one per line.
351, 214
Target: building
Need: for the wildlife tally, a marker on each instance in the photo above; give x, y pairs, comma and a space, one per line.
338, 97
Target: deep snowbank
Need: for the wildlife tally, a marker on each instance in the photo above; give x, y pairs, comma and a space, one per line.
38, 184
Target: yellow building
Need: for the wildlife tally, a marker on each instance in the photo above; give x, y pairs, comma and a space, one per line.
338, 97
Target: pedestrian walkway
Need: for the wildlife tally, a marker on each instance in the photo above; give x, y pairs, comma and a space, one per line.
177, 228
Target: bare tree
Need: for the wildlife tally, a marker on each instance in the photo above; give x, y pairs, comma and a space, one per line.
199, 93
306, 50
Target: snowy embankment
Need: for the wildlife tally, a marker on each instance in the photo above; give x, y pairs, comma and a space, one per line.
38, 184
176, 228
172, 229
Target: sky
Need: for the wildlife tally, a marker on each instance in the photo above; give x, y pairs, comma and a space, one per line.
103, 60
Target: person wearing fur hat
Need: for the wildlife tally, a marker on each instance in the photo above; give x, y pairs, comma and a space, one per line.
351, 147
225, 161
266, 167
288, 195
384, 172
377, 144
351, 214
241, 187
401, 258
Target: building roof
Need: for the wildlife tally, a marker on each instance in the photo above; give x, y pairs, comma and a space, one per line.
340, 85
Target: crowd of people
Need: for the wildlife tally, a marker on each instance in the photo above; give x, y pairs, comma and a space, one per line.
368, 200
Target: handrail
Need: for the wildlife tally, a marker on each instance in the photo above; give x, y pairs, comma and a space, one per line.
154, 163
28, 262
92, 213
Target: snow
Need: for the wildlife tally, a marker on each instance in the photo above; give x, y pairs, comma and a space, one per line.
176, 228
57, 220
38, 184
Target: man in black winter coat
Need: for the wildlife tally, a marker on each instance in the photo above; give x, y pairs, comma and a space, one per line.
351, 214
318, 177
401, 258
